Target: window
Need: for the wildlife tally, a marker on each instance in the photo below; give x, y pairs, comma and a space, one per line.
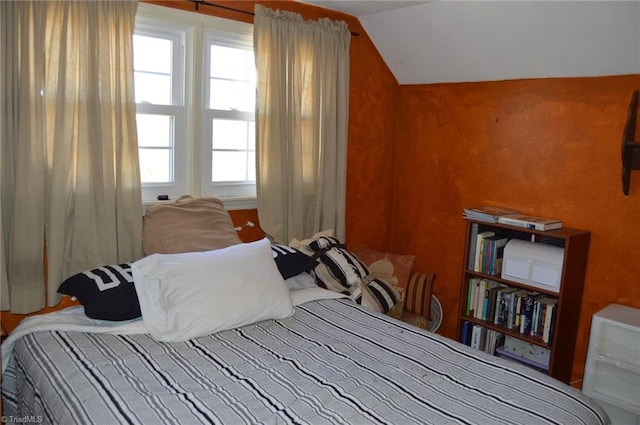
229, 126
158, 64
195, 89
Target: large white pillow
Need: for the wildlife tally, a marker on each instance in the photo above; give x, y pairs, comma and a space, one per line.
184, 296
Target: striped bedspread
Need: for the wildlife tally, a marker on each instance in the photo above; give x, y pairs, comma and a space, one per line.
332, 362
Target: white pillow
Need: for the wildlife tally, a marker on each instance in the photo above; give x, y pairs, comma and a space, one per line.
301, 296
300, 281
184, 296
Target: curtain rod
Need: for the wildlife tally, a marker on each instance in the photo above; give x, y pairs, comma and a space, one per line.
232, 9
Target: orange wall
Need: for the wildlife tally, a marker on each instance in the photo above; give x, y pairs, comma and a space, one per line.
549, 147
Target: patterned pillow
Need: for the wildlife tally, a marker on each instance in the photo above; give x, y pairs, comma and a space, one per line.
342, 271
392, 268
339, 269
377, 295
290, 261
107, 292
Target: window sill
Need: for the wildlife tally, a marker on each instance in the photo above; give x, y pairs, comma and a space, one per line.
229, 203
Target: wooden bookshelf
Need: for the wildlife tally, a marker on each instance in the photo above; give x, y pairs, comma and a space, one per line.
575, 243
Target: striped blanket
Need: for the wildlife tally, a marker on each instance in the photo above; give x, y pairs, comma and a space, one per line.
332, 362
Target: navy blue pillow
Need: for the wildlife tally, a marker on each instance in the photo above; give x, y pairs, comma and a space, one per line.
291, 262
107, 292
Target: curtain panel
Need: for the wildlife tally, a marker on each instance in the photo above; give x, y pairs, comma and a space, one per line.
70, 173
302, 123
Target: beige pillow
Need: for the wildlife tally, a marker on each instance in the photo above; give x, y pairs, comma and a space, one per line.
188, 225
392, 268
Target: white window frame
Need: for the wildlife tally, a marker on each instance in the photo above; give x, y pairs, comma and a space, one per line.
221, 190
177, 109
190, 142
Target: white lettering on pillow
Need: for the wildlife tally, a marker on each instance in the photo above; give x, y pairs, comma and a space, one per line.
114, 279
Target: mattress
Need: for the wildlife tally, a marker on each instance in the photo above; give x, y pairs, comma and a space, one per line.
332, 362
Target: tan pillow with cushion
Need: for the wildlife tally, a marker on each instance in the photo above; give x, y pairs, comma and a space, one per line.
392, 268
188, 225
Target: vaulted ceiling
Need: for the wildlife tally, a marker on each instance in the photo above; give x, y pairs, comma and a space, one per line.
454, 41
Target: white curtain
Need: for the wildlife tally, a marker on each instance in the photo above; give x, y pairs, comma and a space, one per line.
301, 121
70, 173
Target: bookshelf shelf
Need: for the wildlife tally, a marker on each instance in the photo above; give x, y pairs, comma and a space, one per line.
498, 279
511, 332
559, 340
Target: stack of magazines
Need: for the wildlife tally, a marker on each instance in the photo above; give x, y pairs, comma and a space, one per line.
530, 222
490, 214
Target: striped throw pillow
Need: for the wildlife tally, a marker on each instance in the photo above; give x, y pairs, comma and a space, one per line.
290, 261
342, 271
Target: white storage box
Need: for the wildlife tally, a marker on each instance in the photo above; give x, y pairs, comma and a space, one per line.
534, 264
612, 369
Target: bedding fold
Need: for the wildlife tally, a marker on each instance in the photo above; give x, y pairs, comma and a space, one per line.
70, 319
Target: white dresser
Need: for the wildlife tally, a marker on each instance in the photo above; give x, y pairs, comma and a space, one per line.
612, 371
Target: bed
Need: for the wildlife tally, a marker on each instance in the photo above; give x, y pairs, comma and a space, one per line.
332, 362
257, 333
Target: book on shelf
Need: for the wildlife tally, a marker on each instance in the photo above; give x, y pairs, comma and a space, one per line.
493, 254
489, 291
513, 318
541, 322
493, 340
480, 247
466, 333
478, 310
464, 327
492, 301
481, 338
482, 298
487, 252
549, 318
472, 246
504, 304
472, 296
488, 213
530, 222
527, 312
467, 311
517, 307
478, 335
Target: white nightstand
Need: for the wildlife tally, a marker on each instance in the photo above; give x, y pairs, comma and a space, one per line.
612, 371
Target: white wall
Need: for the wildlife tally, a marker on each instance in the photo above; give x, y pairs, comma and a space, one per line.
454, 41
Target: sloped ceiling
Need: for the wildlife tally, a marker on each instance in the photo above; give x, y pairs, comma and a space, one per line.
454, 41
